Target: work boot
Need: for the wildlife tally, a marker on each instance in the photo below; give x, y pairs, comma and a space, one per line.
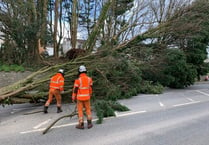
90, 125
59, 109
80, 126
45, 109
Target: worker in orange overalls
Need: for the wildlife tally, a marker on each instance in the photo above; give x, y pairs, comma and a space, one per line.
82, 91
55, 88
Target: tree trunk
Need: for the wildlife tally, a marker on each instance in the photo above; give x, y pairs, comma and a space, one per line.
56, 17
44, 23
74, 24
60, 26
34, 43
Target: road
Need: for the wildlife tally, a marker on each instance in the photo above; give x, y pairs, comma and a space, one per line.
176, 117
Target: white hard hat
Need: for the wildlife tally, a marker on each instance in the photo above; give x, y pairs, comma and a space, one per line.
61, 71
82, 68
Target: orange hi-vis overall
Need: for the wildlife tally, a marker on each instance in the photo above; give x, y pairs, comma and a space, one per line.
84, 85
56, 87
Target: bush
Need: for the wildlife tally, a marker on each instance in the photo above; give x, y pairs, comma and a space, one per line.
181, 73
170, 70
151, 88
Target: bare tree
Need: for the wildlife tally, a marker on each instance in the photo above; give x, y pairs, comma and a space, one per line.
162, 10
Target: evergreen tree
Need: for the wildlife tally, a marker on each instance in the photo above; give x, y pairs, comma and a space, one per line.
20, 25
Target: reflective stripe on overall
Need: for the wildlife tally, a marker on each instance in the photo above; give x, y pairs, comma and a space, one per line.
57, 82
84, 87
84, 84
56, 86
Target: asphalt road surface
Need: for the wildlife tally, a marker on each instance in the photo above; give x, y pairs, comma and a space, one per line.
176, 117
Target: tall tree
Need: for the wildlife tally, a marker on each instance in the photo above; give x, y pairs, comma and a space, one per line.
74, 24
20, 26
56, 18
42, 9
87, 14
90, 42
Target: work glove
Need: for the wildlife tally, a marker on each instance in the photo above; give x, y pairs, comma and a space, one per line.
74, 99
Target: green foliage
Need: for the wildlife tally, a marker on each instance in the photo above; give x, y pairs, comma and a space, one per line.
20, 28
196, 55
115, 77
154, 73
5, 68
6, 101
151, 88
117, 106
107, 108
188, 29
178, 72
171, 69
14, 67
204, 69
17, 68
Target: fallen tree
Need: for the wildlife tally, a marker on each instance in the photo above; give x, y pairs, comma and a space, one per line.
35, 80
108, 69
115, 75
98, 65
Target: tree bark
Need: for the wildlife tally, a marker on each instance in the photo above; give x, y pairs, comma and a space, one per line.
56, 17
74, 24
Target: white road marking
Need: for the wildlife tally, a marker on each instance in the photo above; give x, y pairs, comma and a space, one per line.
131, 113
31, 131
74, 123
41, 124
183, 104
161, 104
202, 92
116, 113
190, 99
